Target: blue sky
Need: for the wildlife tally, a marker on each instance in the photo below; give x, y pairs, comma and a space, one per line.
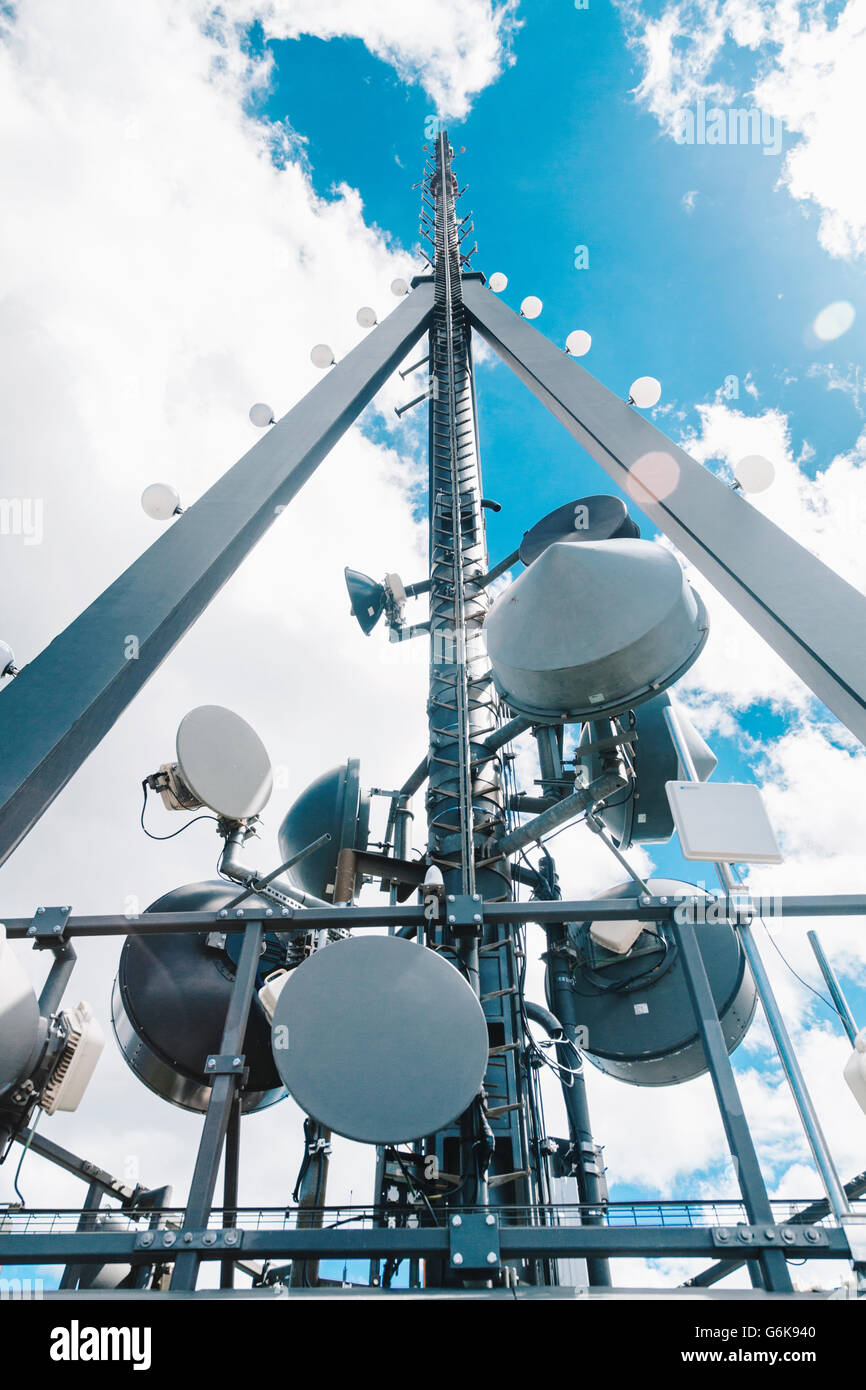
559, 155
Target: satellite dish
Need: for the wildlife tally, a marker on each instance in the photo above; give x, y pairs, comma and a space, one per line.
367, 598
161, 501
366, 317
658, 1044
578, 343
261, 415
531, 307
399, 287
224, 762
387, 1040
498, 282
644, 392
594, 629
19, 1019
7, 661
171, 996
334, 804
599, 518
322, 356
755, 473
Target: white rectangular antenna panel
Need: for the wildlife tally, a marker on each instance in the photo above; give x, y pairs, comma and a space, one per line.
724, 822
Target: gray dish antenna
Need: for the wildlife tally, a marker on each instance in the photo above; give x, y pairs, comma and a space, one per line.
224, 762
380, 1040
597, 518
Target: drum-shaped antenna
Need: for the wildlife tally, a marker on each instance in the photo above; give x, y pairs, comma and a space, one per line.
334, 804
380, 1040
170, 1001
597, 518
635, 1007
224, 762
594, 629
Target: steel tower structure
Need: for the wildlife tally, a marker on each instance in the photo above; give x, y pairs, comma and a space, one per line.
465, 802
498, 1213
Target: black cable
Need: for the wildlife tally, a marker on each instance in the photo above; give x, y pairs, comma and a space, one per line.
817, 993
412, 1182
174, 832
24, 1153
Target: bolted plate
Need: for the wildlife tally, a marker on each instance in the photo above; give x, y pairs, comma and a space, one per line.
380, 1040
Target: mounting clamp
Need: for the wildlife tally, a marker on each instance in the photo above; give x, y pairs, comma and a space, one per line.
48, 926
227, 1064
464, 913
474, 1242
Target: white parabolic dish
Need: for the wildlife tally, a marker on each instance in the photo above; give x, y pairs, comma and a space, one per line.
224, 762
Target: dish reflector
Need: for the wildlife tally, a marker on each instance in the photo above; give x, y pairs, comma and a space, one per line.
7, 660
599, 518
19, 1019
578, 343
322, 356
594, 629
334, 804
366, 317
160, 501
380, 1039
399, 287
645, 392
261, 415
635, 1005
531, 307
498, 282
224, 762
754, 473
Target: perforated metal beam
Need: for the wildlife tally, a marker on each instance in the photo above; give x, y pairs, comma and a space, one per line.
811, 617
64, 702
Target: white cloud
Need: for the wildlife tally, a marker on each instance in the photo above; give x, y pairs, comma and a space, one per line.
825, 513
850, 382
159, 274
453, 48
805, 66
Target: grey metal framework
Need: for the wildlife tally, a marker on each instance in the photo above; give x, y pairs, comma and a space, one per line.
500, 1216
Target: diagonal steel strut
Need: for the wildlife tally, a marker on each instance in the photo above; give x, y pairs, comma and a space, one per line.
64, 702
811, 617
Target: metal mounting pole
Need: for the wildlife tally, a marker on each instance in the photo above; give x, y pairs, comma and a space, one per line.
776, 1023
230, 1184
737, 1132
845, 1015
223, 1092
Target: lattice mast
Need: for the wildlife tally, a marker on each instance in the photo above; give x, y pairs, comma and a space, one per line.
464, 798
493, 1149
